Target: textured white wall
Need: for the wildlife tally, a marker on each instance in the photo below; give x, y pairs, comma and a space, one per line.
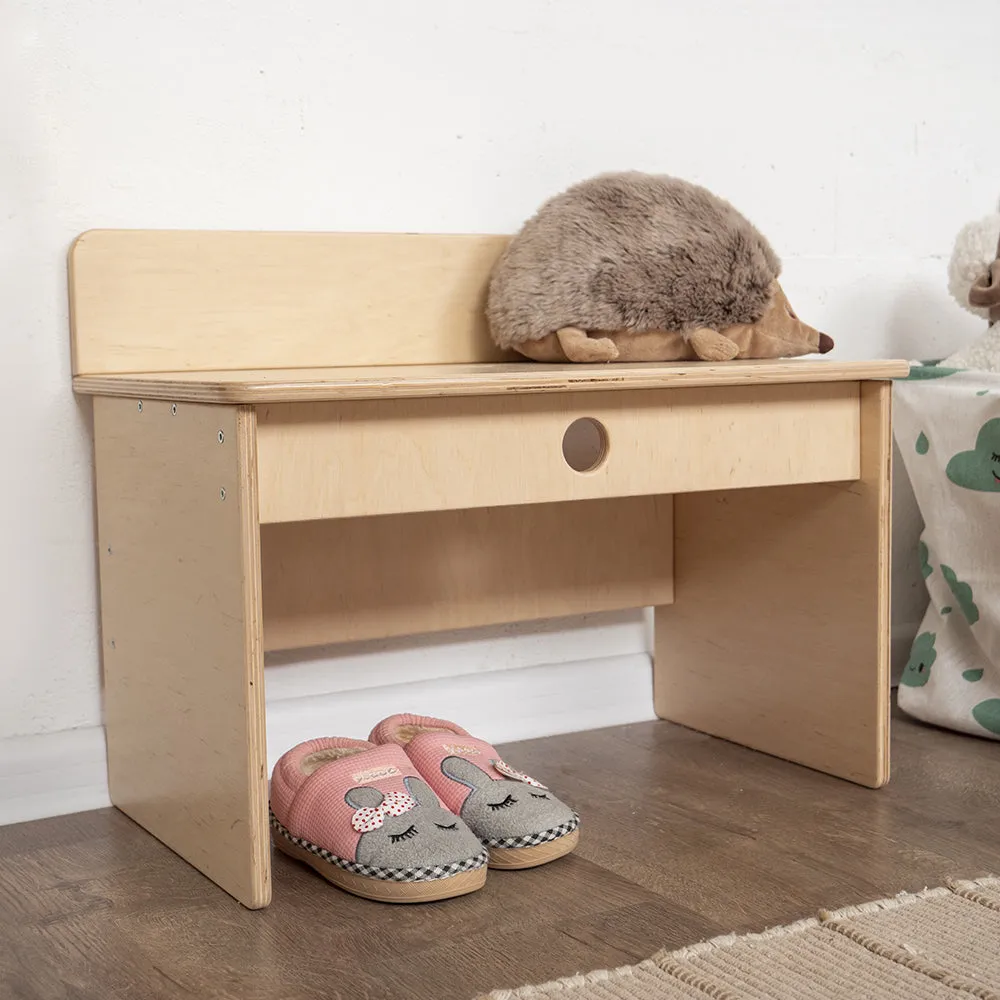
853, 132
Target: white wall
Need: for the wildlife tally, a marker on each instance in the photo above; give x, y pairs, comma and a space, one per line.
854, 132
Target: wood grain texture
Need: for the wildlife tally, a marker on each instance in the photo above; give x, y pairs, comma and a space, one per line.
683, 837
145, 300
181, 624
779, 634
323, 460
293, 385
373, 577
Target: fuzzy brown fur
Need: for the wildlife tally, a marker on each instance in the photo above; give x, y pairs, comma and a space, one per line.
631, 252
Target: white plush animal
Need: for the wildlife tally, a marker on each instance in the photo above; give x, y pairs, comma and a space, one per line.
974, 282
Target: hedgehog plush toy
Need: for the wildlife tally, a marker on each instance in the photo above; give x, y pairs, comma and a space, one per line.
643, 267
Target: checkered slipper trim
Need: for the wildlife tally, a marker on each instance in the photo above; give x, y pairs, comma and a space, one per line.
387, 874
533, 839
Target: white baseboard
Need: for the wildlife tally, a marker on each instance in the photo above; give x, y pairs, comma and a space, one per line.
52, 774
385, 662
488, 681
502, 705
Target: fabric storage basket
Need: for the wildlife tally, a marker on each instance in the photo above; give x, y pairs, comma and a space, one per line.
947, 426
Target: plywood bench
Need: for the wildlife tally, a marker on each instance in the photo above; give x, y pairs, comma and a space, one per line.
308, 438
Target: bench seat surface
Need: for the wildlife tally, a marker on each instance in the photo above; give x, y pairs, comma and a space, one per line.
289, 385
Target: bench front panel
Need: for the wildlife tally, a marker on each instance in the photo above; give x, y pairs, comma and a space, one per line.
352, 459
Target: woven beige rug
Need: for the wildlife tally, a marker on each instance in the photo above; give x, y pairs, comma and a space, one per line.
932, 945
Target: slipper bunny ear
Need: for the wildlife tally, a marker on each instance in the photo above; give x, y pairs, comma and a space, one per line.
465, 772
364, 797
420, 792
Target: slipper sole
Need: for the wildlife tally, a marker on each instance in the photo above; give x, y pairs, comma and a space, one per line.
514, 858
383, 890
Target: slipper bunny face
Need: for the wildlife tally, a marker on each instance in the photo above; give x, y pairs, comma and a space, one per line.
408, 830
501, 809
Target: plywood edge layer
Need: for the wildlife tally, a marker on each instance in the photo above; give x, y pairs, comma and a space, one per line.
363, 578
288, 385
876, 471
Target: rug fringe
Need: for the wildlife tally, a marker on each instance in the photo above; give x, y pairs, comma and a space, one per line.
557, 986
880, 905
728, 940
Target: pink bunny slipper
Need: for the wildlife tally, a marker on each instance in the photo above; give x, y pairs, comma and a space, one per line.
363, 818
517, 818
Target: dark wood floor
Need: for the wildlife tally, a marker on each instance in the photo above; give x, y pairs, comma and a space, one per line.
684, 837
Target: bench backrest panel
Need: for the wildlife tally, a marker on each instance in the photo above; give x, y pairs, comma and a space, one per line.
167, 300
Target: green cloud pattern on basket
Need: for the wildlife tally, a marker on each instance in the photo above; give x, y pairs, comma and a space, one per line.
963, 594
925, 559
972, 675
979, 469
946, 610
987, 714
923, 445
922, 656
925, 371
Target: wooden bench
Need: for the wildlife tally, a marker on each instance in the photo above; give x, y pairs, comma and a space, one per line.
308, 438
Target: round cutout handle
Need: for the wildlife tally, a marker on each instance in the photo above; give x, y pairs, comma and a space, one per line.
585, 444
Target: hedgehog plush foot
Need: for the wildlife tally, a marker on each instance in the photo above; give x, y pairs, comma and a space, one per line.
577, 346
710, 345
